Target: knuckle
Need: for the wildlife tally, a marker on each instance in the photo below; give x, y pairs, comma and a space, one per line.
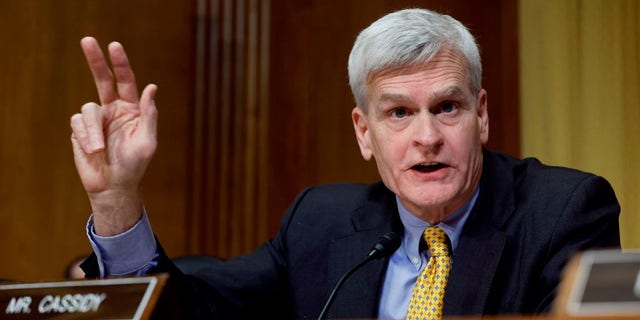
89, 107
75, 119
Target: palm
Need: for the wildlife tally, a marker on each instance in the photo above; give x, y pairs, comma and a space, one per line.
124, 124
126, 153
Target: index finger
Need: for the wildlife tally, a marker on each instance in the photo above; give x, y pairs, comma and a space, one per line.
99, 69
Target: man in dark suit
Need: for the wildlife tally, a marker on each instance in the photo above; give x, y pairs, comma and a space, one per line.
510, 224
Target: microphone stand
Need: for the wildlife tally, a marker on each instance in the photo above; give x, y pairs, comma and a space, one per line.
385, 246
339, 284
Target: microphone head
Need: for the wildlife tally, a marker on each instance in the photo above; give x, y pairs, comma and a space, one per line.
385, 246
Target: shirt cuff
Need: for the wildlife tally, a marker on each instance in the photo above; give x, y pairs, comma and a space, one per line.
130, 252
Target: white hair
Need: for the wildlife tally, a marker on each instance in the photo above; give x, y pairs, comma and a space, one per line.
407, 38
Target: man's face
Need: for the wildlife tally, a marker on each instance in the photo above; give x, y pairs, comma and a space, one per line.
425, 129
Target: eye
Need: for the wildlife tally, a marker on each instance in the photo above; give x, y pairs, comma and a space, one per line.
399, 113
448, 107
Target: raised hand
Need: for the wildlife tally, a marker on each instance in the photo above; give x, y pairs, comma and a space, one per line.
114, 142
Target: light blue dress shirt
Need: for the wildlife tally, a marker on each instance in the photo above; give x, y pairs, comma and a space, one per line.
130, 253
406, 263
134, 253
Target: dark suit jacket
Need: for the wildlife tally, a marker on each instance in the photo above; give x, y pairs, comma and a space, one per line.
528, 220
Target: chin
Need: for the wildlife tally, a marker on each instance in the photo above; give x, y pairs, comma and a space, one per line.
434, 200
431, 202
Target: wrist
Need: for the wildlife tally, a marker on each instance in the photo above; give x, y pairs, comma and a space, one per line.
115, 212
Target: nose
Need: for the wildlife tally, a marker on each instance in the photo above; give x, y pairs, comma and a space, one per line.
427, 131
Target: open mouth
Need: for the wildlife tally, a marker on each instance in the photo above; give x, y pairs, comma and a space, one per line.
426, 168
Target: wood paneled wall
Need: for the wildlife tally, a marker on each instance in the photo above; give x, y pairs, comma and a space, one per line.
43, 81
228, 213
254, 105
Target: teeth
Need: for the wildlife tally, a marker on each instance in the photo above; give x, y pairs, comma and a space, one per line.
426, 167
427, 164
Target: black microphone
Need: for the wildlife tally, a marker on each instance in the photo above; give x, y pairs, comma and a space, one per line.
385, 246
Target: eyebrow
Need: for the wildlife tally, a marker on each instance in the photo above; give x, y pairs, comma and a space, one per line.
393, 97
448, 92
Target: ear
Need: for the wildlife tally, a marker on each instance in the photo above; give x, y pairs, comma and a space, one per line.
483, 116
361, 127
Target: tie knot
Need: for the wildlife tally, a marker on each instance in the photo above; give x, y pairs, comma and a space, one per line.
436, 240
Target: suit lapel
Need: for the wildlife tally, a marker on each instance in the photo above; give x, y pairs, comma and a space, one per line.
474, 266
482, 242
360, 292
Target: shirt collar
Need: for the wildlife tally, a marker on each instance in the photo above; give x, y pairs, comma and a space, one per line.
414, 226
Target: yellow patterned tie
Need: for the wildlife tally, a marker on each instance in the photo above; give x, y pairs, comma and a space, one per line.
428, 292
